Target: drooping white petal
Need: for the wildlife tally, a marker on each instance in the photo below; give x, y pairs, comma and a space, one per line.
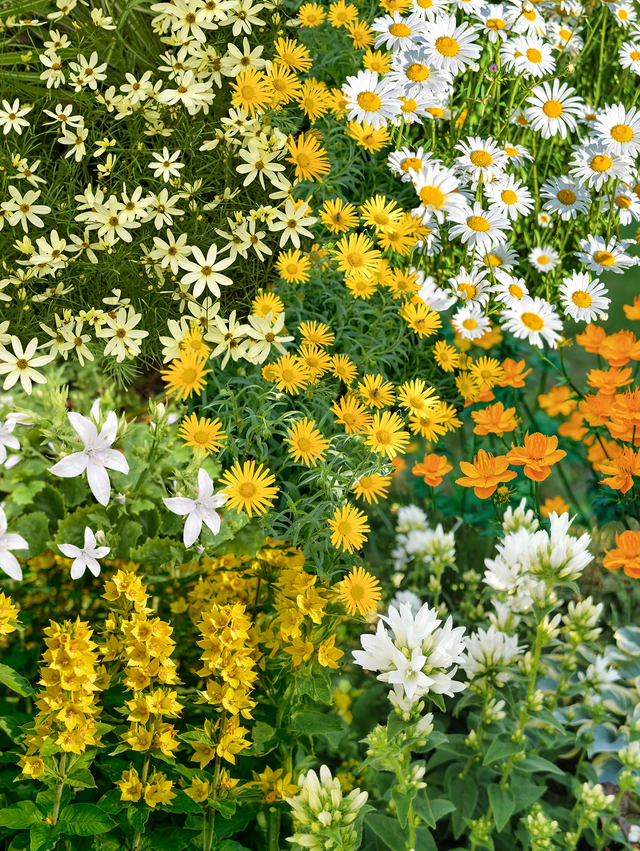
72, 465
99, 482
192, 528
83, 427
10, 565
179, 504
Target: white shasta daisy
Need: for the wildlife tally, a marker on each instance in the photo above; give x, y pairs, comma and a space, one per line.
534, 320
584, 299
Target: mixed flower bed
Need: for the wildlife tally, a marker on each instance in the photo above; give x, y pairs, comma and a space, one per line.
319, 425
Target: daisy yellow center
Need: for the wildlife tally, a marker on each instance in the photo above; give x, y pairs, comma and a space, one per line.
481, 158
467, 290
515, 291
417, 72
635, 55
604, 258
496, 24
409, 105
304, 444
623, 202
543, 259
436, 111
478, 224
411, 163
201, 437
269, 337
581, 298
247, 490
532, 321
447, 46
623, 14
552, 109
509, 196
189, 375
492, 260
565, 35
383, 437
470, 324
22, 363
369, 101
425, 4
354, 259
621, 133
534, 55
292, 269
566, 197
247, 92
399, 30
530, 16
303, 160
522, 120
356, 591
431, 196
600, 163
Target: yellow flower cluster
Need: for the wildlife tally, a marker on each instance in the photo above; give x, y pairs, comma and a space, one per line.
70, 678
8, 615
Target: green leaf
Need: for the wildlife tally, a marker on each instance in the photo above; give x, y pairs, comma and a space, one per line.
21, 816
71, 529
157, 552
110, 802
82, 778
422, 806
388, 829
84, 820
15, 681
226, 807
316, 686
42, 837
464, 792
24, 493
170, 838
503, 803
50, 502
501, 748
182, 803
138, 816
403, 802
34, 528
524, 796
549, 718
535, 763
314, 723
441, 807
128, 538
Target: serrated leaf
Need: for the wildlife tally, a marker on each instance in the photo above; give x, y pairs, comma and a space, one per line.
157, 552
34, 528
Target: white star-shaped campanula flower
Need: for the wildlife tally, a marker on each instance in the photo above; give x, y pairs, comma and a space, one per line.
96, 455
7, 439
85, 557
10, 541
200, 510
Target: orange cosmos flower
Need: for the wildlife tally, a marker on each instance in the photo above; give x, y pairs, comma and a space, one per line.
556, 504
432, 469
537, 455
494, 419
514, 373
491, 337
620, 348
486, 473
624, 413
592, 338
608, 380
625, 555
632, 312
602, 452
574, 427
595, 409
621, 470
559, 400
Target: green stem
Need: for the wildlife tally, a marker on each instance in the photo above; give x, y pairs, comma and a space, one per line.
59, 787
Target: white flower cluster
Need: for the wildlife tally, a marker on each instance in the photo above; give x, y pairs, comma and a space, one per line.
480, 193
531, 561
416, 541
416, 655
323, 817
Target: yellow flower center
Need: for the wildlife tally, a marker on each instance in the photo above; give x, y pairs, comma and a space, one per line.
189, 375
400, 30
467, 290
344, 529
201, 437
481, 158
532, 321
622, 133
552, 109
409, 106
431, 196
354, 260
509, 196
492, 260
369, 101
383, 437
496, 24
417, 72
581, 298
447, 46
543, 259
356, 591
566, 197
478, 224
436, 111
530, 16
470, 324
623, 202
247, 93
534, 55
604, 258
411, 163
635, 55
304, 444
22, 363
247, 490
515, 291
600, 163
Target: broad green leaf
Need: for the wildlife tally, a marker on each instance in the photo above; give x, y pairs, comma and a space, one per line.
138, 816
422, 806
21, 816
503, 804
15, 681
81, 777
536, 763
464, 791
388, 829
42, 837
314, 723
110, 802
84, 820
24, 493
524, 796
403, 802
182, 803
157, 552
226, 807
501, 748
34, 528
171, 838
128, 538
441, 807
